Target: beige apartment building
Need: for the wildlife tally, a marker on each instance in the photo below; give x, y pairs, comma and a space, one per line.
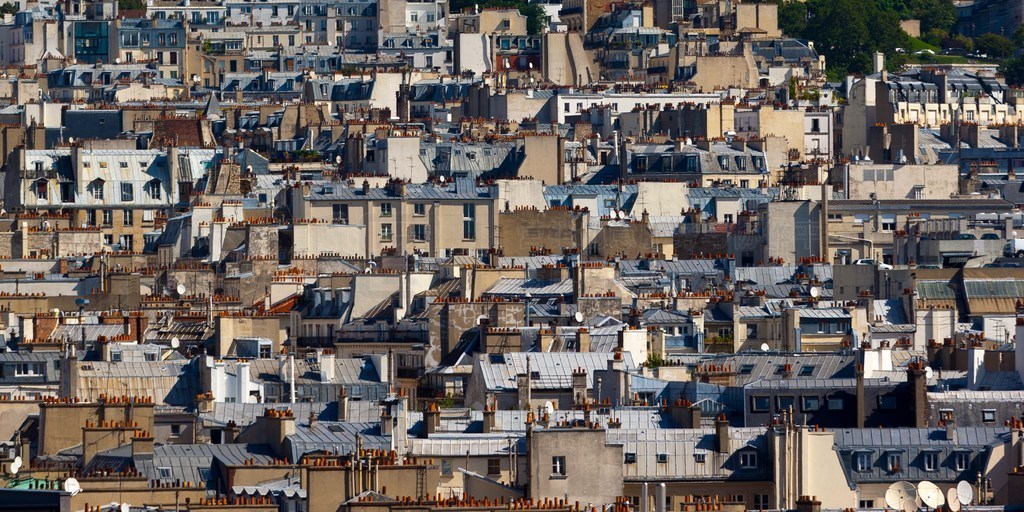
432, 219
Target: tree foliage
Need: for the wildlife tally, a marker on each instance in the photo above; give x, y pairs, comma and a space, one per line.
1013, 70
994, 45
849, 32
131, 5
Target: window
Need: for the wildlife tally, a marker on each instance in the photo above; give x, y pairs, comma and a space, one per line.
446, 467
815, 126
96, 189
165, 472
894, 462
340, 213
723, 162
419, 209
419, 232
469, 221
127, 217
116, 357
746, 369
748, 460
662, 458
385, 209
154, 189
700, 457
810, 403
806, 370
962, 460
108, 217
760, 403
175, 429
385, 232
630, 458
862, 461
29, 370
558, 465
761, 502
888, 222
866, 503
835, 404
493, 466
41, 190
785, 402
930, 461
127, 193
988, 415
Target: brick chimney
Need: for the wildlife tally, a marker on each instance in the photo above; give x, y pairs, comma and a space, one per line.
722, 443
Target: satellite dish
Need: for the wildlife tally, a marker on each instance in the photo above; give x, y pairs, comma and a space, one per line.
909, 505
180, 289
530, 64
899, 492
765, 347
964, 493
815, 291
71, 485
930, 494
337, 159
117, 60
126, 507
549, 408
578, 317
928, 372
952, 503
16, 465
175, 342
440, 178
71, 140
55, 311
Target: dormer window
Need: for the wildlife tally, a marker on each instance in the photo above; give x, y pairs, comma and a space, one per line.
96, 189
153, 189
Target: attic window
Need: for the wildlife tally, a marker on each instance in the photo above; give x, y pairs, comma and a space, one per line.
746, 369
700, 457
534, 375
496, 358
806, 370
630, 458
662, 458
165, 472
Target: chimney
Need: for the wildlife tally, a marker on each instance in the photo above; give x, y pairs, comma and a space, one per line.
975, 366
142, 444
579, 386
685, 414
489, 419
278, 425
583, 339
722, 434
313, 421
431, 419
328, 367
343, 405
951, 430
808, 504
919, 393
366, 187
861, 410
230, 433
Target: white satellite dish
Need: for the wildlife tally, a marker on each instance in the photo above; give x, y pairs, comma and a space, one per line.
55, 311
175, 342
549, 408
964, 493
440, 178
180, 289
951, 500
815, 292
530, 64
578, 317
765, 347
16, 465
71, 140
337, 159
71, 485
117, 60
899, 492
126, 507
909, 505
928, 372
930, 494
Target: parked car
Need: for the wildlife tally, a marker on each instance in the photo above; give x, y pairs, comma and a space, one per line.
990, 236
966, 236
871, 262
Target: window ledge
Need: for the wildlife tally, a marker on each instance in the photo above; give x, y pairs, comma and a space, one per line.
558, 477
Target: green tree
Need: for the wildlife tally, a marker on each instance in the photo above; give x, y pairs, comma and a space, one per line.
940, 14
1018, 37
1013, 71
994, 45
792, 17
131, 5
8, 8
848, 32
935, 36
654, 360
